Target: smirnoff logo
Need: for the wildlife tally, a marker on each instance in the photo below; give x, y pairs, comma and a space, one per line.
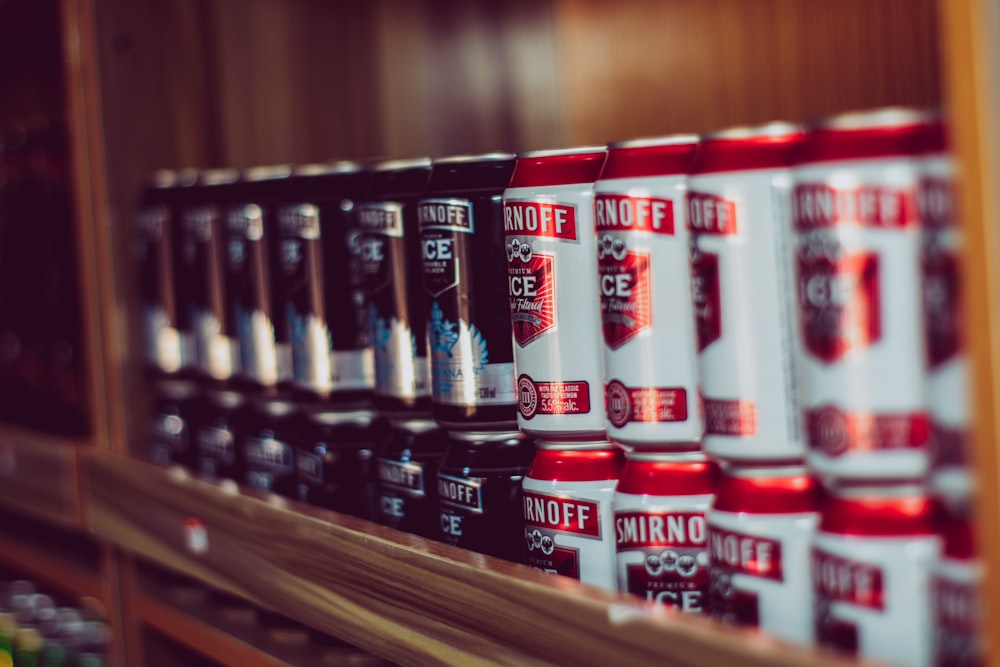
655, 529
527, 218
625, 282
151, 220
709, 214
407, 477
567, 515
621, 213
817, 205
531, 284
246, 221
746, 554
384, 218
301, 220
936, 202
840, 579
450, 214
466, 494
268, 454
309, 467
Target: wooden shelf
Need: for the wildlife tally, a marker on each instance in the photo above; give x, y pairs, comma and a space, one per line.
38, 563
409, 600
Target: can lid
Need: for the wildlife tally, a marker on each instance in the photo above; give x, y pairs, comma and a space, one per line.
226, 398
338, 417
888, 510
176, 389
574, 465
267, 172
669, 475
658, 156
214, 177
403, 165
770, 146
419, 426
565, 166
327, 168
187, 176
476, 437
163, 178
274, 407
399, 178
780, 490
877, 133
495, 156
577, 445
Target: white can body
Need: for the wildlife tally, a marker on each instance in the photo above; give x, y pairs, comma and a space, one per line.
955, 601
554, 308
651, 373
741, 287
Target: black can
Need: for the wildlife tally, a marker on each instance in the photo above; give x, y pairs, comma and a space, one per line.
267, 451
465, 285
479, 492
321, 288
216, 428
392, 271
171, 423
407, 476
336, 459
200, 277
265, 356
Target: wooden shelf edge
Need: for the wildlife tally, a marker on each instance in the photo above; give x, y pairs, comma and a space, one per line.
34, 563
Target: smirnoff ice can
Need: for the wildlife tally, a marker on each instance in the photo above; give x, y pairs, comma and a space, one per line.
650, 358
856, 229
760, 529
269, 458
567, 501
737, 218
548, 211
170, 423
465, 289
215, 430
392, 274
407, 476
871, 564
956, 583
945, 356
661, 533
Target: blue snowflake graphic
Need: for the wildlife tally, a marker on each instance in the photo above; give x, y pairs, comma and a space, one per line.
442, 332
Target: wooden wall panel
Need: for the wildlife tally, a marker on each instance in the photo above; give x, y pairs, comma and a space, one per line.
658, 66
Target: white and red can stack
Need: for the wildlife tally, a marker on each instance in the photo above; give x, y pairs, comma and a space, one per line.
760, 529
856, 228
955, 597
651, 374
871, 563
567, 500
661, 534
737, 213
554, 309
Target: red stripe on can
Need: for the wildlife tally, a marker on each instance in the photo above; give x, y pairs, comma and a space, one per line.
792, 494
557, 168
577, 465
878, 515
631, 161
743, 150
669, 478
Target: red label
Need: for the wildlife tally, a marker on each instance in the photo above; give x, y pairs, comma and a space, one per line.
835, 432
730, 417
644, 404
673, 578
552, 398
745, 554
527, 218
818, 206
546, 556
942, 289
566, 515
730, 604
708, 214
839, 303
625, 298
621, 213
634, 530
843, 580
936, 199
531, 285
706, 296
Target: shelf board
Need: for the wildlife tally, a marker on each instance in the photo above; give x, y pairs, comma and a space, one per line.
39, 474
38, 563
404, 598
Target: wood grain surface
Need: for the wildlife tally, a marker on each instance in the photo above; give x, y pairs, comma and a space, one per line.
39, 475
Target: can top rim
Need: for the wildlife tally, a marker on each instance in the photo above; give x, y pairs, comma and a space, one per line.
892, 116
177, 388
741, 132
666, 457
227, 397
559, 152
327, 168
875, 489
414, 425
769, 471
575, 445
187, 176
222, 176
164, 178
275, 407
267, 172
405, 163
486, 436
484, 157
333, 417
647, 142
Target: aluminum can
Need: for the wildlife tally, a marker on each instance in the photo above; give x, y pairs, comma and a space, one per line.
336, 457
856, 230
265, 357
871, 563
319, 261
650, 358
760, 528
956, 583
216, 430
407, 476
737, 218
170, 423
465, 285
661, 533
568, 520
479, 492
268, 455
208, 336
392, 272
947, 362
548, 210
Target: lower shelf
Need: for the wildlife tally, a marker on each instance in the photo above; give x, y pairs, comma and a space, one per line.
409, 600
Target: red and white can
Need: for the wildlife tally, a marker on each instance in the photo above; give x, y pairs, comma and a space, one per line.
871, 564
548, 217
947, 364
568, 522
955, 598
737, 216
661, 534
650, 358
760, 529
856, 230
